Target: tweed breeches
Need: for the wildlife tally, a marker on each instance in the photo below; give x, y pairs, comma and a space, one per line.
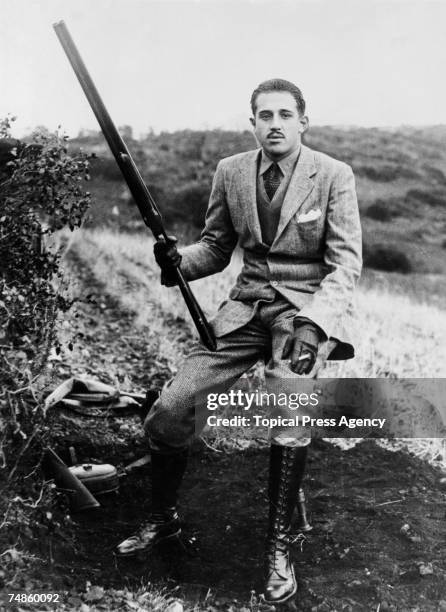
180, 412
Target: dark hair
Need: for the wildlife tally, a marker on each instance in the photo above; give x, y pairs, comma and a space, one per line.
279, 85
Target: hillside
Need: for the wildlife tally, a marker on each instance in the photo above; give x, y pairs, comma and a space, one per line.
400, 174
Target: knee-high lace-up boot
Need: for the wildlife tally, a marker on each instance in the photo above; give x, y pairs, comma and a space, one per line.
286, 471
163, 521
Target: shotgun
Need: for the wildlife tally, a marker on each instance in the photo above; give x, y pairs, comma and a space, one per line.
138, 188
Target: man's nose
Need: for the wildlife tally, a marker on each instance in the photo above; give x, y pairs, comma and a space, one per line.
276, 122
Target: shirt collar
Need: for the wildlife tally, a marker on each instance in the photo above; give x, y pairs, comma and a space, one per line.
286, 164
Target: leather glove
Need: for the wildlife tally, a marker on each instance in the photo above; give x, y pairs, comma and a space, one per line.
168, 258
301, 347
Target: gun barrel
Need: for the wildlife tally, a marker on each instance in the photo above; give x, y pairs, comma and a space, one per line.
138, 188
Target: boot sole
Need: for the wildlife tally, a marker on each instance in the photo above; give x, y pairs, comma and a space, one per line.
287, 597
144, 551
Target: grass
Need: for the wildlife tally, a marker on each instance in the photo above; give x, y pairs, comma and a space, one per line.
401, 335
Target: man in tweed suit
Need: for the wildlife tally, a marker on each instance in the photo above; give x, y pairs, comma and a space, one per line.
295, 215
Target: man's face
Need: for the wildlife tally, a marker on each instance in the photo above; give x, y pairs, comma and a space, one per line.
277, 124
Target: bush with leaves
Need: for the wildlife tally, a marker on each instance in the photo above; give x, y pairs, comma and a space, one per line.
41, 191
380, 211
387, 258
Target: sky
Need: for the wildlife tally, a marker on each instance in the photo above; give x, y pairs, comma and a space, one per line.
167, 65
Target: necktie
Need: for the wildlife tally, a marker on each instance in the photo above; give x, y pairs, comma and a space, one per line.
271, 179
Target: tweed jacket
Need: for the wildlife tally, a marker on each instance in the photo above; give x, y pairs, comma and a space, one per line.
315, 259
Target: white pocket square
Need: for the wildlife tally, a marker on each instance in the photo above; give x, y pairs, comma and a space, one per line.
310, 215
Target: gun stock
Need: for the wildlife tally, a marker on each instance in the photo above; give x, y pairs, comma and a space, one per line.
138, 188
80, 497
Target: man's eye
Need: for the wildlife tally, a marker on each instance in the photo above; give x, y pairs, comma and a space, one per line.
264, 116
286, 115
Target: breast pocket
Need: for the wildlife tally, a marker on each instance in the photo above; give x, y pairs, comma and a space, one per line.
308, 234
308, 226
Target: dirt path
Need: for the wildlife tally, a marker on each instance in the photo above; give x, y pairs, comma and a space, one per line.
379, 517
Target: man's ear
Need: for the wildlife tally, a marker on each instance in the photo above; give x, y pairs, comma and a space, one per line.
304, 124
252, 121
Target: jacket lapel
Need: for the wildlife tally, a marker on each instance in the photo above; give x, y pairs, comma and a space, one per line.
248, 188
299, 188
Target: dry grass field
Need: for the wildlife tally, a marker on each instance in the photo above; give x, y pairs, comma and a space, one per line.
400, 336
